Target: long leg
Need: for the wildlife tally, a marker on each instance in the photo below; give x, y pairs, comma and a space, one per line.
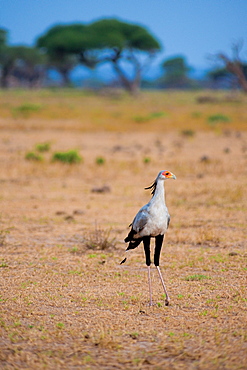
146, 243
158, 245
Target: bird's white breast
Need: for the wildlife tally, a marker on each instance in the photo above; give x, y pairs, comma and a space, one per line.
156, 221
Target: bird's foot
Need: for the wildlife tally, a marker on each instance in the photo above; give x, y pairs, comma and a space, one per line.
150, 304
167, 300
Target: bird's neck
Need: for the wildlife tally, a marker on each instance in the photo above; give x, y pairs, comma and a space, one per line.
159, 194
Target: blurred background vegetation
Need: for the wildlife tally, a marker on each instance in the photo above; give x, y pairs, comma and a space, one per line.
128, 48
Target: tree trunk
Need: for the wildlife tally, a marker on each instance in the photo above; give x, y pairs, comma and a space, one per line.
132, 86
235, 68
4, 77
65, 76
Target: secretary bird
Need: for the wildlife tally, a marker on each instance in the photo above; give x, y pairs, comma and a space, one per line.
152, 221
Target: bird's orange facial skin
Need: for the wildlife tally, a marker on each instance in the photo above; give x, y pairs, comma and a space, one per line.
167, 174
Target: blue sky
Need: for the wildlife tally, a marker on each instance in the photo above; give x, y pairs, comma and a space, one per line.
193, 28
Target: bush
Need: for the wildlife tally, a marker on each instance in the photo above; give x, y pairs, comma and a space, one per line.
188, 133
43, 147
32, 156
100, 160
150, 116
70, 157
25, 109
216, 118
146, 160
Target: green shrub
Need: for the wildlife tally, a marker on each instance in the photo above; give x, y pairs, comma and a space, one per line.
150, 116
156, 115
216, 118
141, 119
32, 156
43, 147
188, 133
100, 160
25, 109
146, 160
71, 156
196, 114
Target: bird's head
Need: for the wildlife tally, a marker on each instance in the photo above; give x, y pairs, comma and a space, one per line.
164, 175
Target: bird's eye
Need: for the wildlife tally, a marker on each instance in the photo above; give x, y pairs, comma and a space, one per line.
167, 173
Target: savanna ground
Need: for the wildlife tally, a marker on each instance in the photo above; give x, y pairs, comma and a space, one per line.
65, 302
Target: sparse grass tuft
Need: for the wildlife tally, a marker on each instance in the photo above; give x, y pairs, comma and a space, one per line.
3, 234
60, 325
134, 335
196, 114
141, 119
99, 239
156, 115
3, 264
196, 277
73, 249
188, 133
71, 156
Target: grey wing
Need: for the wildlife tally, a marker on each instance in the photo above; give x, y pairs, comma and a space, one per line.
140, 220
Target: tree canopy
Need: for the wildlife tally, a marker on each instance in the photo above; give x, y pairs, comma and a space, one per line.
107, 40
20, 61
113, 33
128, 48
176, 72
3, 37
116, 42
62, 45
63, 39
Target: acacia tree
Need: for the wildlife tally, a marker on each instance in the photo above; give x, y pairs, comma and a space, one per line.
104, 41
22, 62
121, 43
176, 72
234, 65
62, 45
3, 47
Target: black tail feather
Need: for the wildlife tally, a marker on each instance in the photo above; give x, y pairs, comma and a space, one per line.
134, 243
130, 236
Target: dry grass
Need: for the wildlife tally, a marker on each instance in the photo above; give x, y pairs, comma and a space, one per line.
65, 302
151, 111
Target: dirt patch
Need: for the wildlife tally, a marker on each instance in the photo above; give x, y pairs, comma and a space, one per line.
66, 304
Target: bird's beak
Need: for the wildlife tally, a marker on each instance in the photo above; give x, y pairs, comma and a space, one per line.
172, 176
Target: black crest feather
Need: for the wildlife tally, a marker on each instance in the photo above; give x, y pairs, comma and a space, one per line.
152, 187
